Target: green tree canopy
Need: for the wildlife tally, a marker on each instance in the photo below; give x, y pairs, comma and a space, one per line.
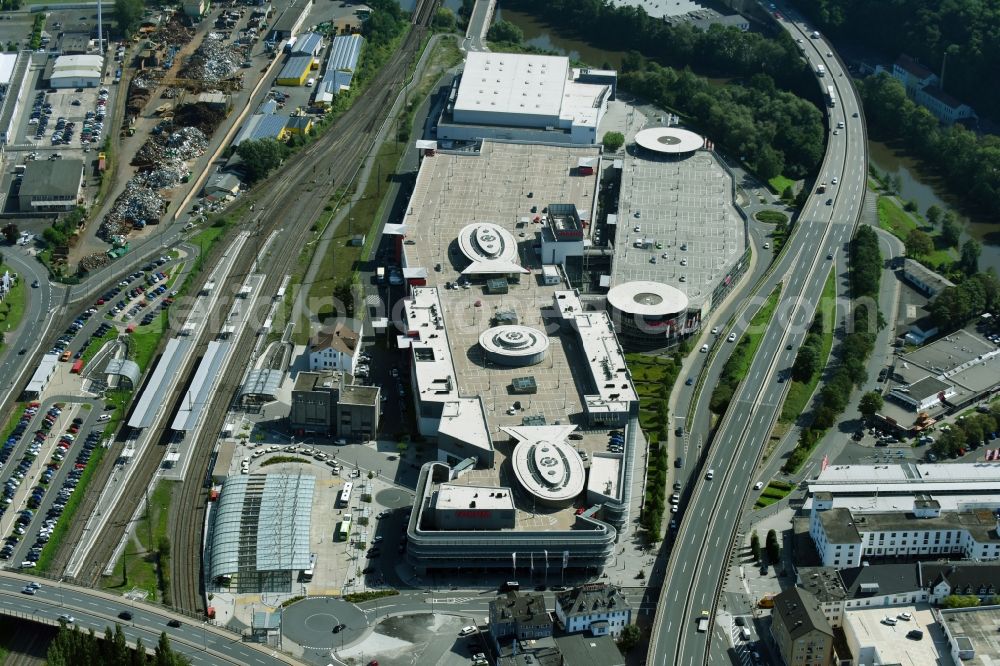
128, 13
918, 244
934, 214
870, 403
969, 258
505, 31
260, 157
613, 141
951, 232
444, 19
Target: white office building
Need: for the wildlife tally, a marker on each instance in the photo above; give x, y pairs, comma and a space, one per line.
598, 608
860, 512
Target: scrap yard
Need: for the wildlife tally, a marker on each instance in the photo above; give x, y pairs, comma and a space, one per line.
281, 207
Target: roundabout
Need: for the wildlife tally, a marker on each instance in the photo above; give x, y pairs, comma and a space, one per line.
310, 623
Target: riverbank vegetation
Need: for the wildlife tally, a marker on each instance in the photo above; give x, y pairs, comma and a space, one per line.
968, 165
764, 118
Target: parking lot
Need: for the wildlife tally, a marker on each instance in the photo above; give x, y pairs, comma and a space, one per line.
677, 224
31, 503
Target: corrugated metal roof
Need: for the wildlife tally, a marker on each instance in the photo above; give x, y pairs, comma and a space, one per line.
261, 126
151, 401
296, 67
197, 395
308, 43
345, 52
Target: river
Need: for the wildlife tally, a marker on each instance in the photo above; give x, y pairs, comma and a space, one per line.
924, 191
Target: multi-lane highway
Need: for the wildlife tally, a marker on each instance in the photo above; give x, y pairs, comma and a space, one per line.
704, 542
201, 643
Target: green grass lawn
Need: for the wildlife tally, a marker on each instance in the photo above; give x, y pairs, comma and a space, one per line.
748, 344
779, 183
799, 392
775, 491
653, 377
12, 307
96, 344
900, 223
141, 551
771, 216
144, 340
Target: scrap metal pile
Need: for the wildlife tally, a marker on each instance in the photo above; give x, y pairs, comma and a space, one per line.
94, 261
137, 206
215, 60
139, 92
174, 31
185, 143
199, 115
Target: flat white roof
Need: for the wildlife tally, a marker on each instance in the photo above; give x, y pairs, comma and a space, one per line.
486, 242
151, 400
605, 468
607, 363
512, 83
455, 497
643, 297
82, 61
669, 140
545, 465
978, 498
891, 642
197, 395
514, 340
867, 477
434, 370
43, 373
7, 62
580, 103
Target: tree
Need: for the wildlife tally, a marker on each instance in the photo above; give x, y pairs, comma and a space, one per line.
773, 548
260, 156
951, 233
444, 19
11, 233
934, 215
505, 31
960, 601
806, 363
918, 244
613, 141
969, 256
788, 194
629, 638
870, 403
755, 546
128, 13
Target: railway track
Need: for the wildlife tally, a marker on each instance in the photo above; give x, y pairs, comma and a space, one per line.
284, 206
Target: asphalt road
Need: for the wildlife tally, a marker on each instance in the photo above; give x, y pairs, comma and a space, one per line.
40, 301
703, 545
96, 610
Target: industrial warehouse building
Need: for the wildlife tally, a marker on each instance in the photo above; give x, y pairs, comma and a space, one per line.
75, 71
295, 71
523, 97
259, 532
340, 66
50, 185
288, 24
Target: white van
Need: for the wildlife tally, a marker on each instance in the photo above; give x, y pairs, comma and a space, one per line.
104, 417
710, 475
310, 82
745, 633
